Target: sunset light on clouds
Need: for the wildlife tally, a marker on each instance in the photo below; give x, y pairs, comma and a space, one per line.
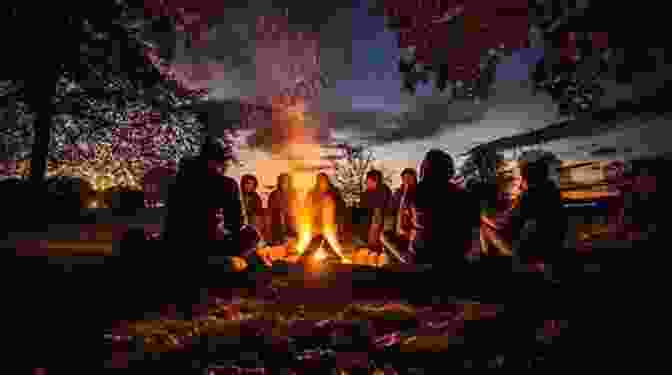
363, 103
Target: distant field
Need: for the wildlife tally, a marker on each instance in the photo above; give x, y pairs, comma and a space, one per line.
95, 233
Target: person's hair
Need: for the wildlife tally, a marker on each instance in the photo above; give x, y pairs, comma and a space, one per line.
409, 172
285, 176
438, 165
330, 185
534, 172
216, 150
376, 175
246, 178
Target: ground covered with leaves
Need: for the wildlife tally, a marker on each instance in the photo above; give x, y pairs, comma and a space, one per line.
260, 335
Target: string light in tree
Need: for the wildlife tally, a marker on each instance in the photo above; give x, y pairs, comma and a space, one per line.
103, 170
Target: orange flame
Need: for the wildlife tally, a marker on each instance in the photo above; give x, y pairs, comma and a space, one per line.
304, 223
329, 231
320, 254
300, 152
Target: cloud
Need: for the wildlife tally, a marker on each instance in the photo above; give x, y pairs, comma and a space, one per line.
426, 118
274, 137
231, 49
236, 67
512, 108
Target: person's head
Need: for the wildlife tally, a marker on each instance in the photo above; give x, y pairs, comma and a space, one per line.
284, 182
437, 165
248, 183
409, 178
533, 173
217, 154
374, 179
615, 171
322, 183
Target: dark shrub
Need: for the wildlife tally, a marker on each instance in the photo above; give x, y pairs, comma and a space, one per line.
15, 195
65, 196
127, 202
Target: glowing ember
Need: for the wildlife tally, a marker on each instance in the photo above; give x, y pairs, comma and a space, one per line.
320, 254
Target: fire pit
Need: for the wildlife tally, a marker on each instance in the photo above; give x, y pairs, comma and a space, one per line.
320, 250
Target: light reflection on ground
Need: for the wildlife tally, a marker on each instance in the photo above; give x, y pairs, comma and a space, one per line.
310, 333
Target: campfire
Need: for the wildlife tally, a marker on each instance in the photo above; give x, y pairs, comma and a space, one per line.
312, 245
315, 246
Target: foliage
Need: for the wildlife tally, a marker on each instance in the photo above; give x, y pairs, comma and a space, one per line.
351, 166
576, 61
350, 171
433, 37
539, 155
106, 72
481, 166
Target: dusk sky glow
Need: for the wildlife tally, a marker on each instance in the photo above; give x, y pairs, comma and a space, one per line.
365, 99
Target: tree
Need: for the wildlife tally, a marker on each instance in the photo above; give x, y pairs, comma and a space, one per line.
104, 67
350, 166
578, 63
481, 167
542, 156
456, 43
387, 175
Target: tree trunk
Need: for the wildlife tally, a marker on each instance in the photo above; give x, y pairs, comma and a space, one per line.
42, 91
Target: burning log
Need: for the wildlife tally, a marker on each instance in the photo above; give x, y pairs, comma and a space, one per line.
319, 250
366, 257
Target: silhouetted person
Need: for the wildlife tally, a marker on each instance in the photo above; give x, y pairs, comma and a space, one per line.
400, 206
324, 194
645, 199
538, 223
375, 201
204, 204
252, 203
444, 215
280, 203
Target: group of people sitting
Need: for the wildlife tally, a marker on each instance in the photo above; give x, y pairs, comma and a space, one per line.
434, 217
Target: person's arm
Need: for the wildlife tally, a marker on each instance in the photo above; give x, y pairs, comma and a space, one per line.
395, 202
376, 227
233, 220
518, 215
268, 217
489, 223
523, 219
258, 217
491, 237
419, 222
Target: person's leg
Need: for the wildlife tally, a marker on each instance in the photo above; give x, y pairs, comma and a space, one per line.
396, 245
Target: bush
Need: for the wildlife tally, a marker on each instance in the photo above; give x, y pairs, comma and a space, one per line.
16, 196
126, 201
65, 196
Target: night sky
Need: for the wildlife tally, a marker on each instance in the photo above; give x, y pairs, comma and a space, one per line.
365, 103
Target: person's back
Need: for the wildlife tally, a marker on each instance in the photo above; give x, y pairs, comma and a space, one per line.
539, 223
445, 214
196, 195
374, 204
281, 217
449, 215
201, 204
